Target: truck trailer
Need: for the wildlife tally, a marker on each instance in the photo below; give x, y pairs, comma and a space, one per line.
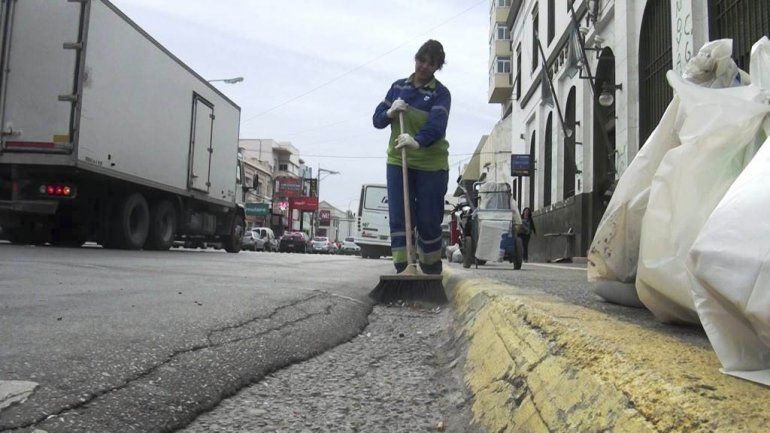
108, 137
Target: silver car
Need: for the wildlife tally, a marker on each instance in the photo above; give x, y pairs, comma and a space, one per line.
322, 245
250, 240
350, 247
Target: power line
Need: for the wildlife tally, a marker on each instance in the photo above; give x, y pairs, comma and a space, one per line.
294, 134
350, 71
451, 155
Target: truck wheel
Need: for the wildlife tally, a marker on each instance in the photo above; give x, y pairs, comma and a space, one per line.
132, 222
162, 226
233, 242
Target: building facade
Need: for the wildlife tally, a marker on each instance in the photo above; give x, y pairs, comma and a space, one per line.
258, 182
587, 87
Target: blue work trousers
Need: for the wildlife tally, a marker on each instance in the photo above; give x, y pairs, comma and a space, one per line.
427, 190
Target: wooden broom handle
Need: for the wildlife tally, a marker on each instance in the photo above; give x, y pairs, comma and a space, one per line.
407, 205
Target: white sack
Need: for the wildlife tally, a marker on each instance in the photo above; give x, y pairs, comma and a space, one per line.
730, 260
614, 252
719, 127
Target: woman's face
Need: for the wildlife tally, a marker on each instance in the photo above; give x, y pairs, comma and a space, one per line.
424, 69
525, 213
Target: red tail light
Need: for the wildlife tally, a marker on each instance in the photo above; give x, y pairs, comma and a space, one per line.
57, 190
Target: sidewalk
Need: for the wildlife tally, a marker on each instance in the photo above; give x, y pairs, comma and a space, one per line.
537, 362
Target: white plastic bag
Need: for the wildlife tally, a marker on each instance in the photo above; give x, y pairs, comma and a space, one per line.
730, 260
719, 127
614, 252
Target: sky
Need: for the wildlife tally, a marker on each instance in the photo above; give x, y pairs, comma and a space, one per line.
314, 72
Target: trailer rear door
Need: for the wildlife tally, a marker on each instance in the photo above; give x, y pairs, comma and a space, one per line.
200, 145
39, 68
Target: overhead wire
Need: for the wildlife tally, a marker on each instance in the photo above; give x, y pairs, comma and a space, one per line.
350, 71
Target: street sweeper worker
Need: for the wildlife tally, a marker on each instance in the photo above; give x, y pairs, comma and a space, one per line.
425, 103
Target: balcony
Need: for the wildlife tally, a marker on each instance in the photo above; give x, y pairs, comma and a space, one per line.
500, 88
501, 48
501, 14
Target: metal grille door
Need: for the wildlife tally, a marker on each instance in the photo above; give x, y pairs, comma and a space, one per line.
744, 21
654, 61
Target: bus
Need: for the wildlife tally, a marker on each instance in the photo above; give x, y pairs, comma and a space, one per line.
373, 228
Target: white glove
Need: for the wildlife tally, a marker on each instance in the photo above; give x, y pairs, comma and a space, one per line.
398, 106
406, 140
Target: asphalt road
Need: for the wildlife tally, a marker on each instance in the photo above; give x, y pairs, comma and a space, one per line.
144, 341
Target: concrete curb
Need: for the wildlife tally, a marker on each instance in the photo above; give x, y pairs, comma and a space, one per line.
537, 364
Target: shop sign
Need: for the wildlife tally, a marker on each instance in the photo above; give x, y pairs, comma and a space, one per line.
257, 209
520, 164
309, 204
324, 217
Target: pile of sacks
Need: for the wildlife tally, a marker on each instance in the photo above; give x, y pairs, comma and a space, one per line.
687, 231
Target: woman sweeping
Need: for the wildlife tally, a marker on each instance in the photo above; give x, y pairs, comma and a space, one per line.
424, 103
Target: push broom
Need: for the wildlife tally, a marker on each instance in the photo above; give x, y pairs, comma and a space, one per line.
410, 284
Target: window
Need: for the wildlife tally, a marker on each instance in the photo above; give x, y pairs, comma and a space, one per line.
551, 21
532, 160
283, 167
518, 72
503, 34
503, 65
503, 3
535, 25
547, 165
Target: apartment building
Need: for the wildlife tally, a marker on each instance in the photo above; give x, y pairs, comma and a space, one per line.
587, 87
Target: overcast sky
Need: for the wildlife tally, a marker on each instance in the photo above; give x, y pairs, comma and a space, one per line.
314, 71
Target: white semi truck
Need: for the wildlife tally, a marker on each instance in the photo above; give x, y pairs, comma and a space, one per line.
107, 136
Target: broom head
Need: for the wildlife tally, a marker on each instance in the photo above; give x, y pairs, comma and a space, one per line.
409, 288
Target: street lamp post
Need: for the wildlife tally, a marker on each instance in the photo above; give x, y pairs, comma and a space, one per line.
228, 80
316, 218
351, 217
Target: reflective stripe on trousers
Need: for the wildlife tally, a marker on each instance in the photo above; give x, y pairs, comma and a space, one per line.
427, 190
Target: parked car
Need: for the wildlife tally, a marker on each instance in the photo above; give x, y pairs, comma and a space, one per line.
322, 245
250, 240
350, 248
266, 240
293, 242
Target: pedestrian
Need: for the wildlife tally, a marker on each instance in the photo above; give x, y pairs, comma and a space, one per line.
425, 104
527, 230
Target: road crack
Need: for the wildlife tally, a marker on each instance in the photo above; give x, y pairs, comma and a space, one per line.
86, 399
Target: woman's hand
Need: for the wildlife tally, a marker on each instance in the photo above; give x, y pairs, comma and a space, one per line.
399, 105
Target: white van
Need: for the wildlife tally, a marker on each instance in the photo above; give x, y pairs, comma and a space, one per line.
373, 228
266, 240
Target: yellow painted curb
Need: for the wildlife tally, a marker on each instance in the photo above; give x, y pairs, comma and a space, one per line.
538, 364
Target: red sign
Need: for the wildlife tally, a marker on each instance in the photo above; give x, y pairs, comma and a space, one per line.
303, 203
324, 217
286, 186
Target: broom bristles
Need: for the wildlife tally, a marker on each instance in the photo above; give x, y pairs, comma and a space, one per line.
394, 288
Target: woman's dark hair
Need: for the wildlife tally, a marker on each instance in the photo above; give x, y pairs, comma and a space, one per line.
527, 209
431, 51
